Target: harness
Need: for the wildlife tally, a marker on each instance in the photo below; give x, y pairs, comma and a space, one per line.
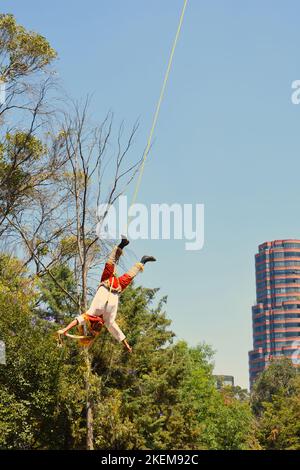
109, 286
87, 332
94, 323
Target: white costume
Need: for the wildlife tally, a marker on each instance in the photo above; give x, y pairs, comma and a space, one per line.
105, 302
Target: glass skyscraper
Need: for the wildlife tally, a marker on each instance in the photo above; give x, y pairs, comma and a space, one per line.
276, 315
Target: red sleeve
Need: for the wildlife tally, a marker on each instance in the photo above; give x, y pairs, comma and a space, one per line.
125, 280
107, 271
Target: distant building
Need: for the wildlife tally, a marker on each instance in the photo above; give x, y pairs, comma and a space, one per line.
224, 380
276, 315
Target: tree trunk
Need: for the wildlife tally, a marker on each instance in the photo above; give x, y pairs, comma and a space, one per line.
89, 408
90, 430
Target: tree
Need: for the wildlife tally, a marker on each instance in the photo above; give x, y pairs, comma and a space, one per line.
275, 402
277, 377
42, 394
24, 159
53, 303
230, 424
163, 396
23, 52
224, 415
53, 174
49, 173
279, 425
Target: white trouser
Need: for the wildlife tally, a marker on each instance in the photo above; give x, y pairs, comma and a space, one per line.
105, 303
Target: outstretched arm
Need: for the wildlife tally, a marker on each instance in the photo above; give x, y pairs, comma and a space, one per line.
127, 346
69, 327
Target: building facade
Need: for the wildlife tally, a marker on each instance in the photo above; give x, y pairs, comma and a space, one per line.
276, 315
224, 381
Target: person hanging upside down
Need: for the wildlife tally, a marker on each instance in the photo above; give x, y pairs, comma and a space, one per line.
104, 306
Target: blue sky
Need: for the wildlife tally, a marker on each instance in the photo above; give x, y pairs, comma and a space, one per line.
227, 136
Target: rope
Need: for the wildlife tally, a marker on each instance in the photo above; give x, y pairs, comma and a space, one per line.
158, 106
69, 335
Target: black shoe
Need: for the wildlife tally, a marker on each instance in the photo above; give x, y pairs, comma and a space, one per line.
124, 242
146, 258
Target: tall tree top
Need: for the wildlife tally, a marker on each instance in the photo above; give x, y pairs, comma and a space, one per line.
22, 52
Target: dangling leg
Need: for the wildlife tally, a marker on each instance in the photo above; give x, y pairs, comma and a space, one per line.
113, 258
128, 277
109, 317
124, 242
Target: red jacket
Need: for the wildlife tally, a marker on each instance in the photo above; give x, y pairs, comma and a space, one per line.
113, 281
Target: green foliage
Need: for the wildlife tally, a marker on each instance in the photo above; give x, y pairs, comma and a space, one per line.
22, 146
42, 392
162, 396
24, 158
279, 427
16, 151
25, 52
275, 379
53, 301
16, 430
276, 402
18, 154
230, 424
68, 246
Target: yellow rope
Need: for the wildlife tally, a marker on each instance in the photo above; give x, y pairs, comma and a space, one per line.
155, 118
